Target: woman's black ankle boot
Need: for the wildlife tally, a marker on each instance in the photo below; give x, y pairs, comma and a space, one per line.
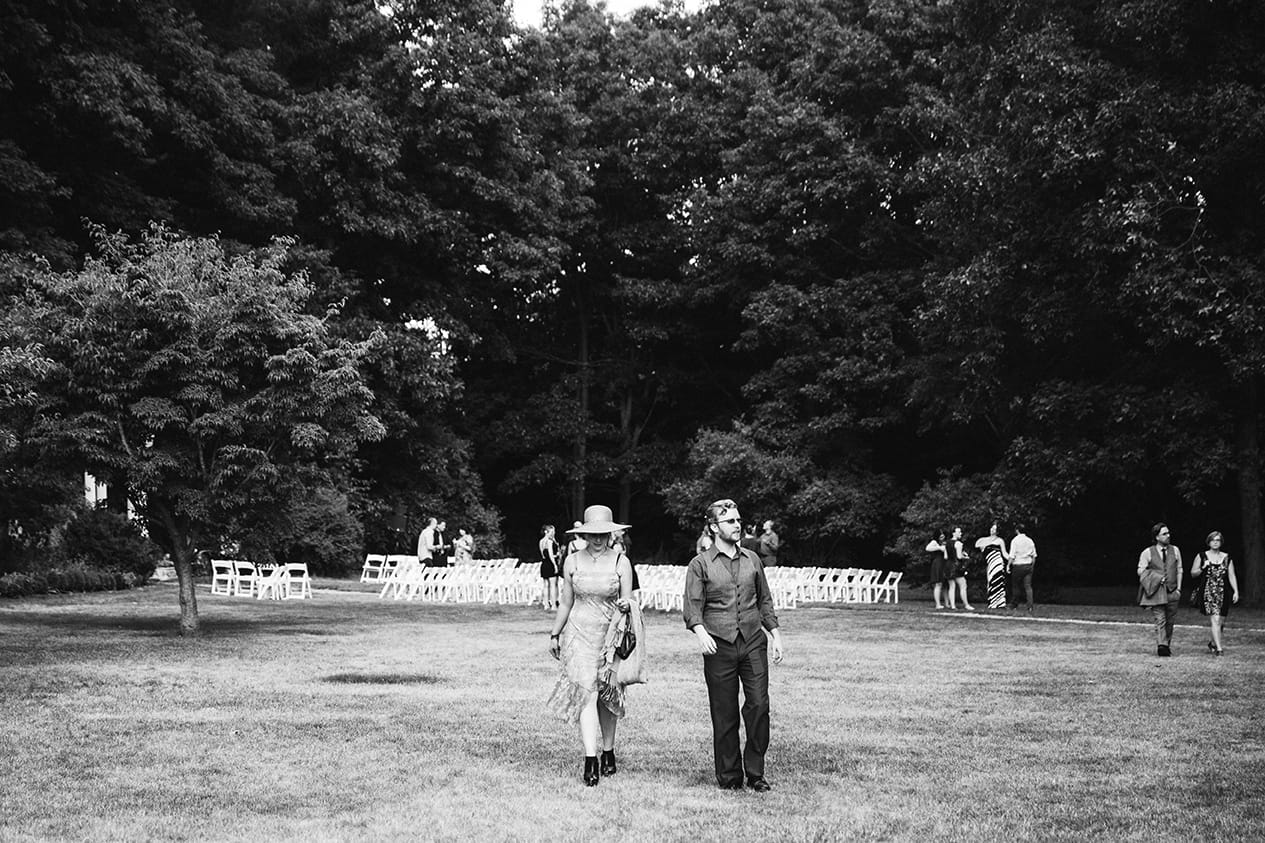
608, 762
591, 775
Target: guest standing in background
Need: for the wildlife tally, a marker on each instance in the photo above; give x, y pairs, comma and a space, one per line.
576, 544
1220, 587
993, 547
549, 567
957, 573
439, 550
938, 551
769, 544
426, 543
703, 542
463, 548
1023, 560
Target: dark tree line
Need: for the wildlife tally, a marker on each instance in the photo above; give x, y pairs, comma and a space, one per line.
871, 268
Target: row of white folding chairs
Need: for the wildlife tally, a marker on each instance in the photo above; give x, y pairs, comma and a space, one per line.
663, 586
852, 585
236, 577
479, 582
379, 566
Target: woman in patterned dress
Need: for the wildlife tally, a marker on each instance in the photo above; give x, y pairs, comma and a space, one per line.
1217, 569
463, 548
596, 583
993, 547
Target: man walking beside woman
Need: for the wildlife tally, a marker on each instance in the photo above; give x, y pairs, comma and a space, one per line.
729, 609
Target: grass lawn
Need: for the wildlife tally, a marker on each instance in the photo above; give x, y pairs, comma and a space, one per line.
349, 718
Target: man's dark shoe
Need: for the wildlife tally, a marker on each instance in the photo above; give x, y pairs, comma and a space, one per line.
608, 762
759, 785
1163, 650
731, 785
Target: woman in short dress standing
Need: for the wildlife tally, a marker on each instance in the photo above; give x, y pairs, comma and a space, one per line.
1220, 587
549, 567
958, 561
993, 547
938, 550
596, 583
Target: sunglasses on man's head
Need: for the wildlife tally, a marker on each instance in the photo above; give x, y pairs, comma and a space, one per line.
729, 521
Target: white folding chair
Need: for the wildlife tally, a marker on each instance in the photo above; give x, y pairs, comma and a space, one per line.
222, 579
270, 583
374, 569
394, 572
864, 584
395, 561
245, 579
826, 585
845, 586
417, 580
889, 589
296, 584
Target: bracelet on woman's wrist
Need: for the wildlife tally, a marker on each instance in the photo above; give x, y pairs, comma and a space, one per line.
552, 635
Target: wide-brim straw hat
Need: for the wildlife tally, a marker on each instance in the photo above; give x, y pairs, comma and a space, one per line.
599, 519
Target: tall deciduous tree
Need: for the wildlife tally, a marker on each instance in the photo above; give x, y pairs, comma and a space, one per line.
807, 234
197, 379
1095, 199
612, 362
37, 488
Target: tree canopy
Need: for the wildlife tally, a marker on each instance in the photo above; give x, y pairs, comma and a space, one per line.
871, 268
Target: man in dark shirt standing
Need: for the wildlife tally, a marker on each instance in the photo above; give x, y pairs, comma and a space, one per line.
728, 607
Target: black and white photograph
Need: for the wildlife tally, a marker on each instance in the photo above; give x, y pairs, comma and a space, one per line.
632, 420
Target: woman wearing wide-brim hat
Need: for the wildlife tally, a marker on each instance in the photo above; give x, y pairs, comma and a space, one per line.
596, 583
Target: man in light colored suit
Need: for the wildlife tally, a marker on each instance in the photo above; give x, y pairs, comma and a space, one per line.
426, 543
1160, 585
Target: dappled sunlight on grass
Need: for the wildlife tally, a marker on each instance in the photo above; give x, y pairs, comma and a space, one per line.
305, 720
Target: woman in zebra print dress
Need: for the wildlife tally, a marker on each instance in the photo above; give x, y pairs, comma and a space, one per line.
993, 547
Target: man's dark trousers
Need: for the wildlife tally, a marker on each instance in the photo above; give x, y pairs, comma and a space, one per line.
748, 662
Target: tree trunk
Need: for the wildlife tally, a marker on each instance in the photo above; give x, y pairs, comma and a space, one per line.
1247, 444
188, 594
580, 449
629, 435
182, 551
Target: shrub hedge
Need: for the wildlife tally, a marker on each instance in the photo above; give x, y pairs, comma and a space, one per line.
100, 540
59, 580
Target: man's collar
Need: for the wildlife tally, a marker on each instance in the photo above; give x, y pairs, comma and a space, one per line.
715, 551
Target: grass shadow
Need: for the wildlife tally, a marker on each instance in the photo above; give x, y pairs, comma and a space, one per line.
382, 679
